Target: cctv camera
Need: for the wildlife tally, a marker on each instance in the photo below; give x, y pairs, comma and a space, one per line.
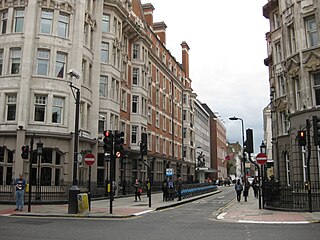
74, 73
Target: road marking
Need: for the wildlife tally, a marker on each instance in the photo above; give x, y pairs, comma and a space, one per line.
140, 213
221, 216
275, 222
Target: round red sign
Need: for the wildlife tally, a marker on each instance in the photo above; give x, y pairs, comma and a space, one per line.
262, 158
89, 159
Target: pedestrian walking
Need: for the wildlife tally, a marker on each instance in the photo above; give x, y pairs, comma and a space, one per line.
20, 186
164, 191
179, 188
238, 187
246, 190
137, 190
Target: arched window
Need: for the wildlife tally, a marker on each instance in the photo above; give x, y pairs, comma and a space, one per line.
49, 167
6, 160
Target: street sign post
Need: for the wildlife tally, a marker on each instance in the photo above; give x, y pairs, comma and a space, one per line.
262, 158
89, 159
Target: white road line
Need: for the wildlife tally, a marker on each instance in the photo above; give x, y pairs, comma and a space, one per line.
140, 213
221, 216
265, 222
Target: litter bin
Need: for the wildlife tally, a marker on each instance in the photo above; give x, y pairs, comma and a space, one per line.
83, 203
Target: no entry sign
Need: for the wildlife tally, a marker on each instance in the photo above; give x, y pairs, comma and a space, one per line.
89, 159
262, 158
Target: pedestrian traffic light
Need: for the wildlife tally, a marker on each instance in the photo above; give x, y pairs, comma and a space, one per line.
118, 143
249, 141
144, 144
25, 152
316, 130
302, 140
108, 141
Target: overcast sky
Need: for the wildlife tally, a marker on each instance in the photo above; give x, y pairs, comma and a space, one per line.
227, 48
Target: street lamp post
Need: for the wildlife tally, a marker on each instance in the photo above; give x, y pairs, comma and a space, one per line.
39, 154
234, 118
74, 189
263, 149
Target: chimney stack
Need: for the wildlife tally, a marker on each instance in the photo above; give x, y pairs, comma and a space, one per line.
148, 13
159, 28
185, 58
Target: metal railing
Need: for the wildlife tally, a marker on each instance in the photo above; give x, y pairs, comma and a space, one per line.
291, 197
60, 193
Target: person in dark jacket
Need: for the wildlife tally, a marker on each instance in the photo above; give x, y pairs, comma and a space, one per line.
179, 188
246, 190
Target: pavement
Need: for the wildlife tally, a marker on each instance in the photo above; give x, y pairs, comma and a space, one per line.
126, 207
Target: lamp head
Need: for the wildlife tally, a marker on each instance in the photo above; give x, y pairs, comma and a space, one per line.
233, 118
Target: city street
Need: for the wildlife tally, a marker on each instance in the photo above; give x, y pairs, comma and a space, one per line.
194, 220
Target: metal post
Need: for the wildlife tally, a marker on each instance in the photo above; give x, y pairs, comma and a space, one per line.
308, 165
39, 154
30, 172
74, 190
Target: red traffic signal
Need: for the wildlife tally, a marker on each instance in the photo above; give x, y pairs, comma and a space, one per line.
108, 141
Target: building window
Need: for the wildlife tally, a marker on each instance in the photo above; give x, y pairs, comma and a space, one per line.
135, 104
105, 52
164, 123
316, 87
57, 110
40, 108
102, 122
4, 20
46, 21
136, 51
61, 65
157, 119
135, 76
278, 52
149, 114
292, 39
105, 23
18, 20
43, 62
276, 20
15, 60
103, 89
312, 32
11, 107
134, 134
124, 100
1, 61
63, 25
298, 93
284, 123
287, 168
282, 86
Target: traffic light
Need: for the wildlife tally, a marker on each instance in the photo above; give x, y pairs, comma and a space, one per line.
108, 141
249, 142
118, 143
144, 144
25, 152
302, 138
316, 130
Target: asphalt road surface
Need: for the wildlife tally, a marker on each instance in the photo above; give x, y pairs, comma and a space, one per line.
192, 221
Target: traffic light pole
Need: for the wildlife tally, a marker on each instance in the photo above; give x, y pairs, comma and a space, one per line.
149, 177
75, 190
308, 164
30, 173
